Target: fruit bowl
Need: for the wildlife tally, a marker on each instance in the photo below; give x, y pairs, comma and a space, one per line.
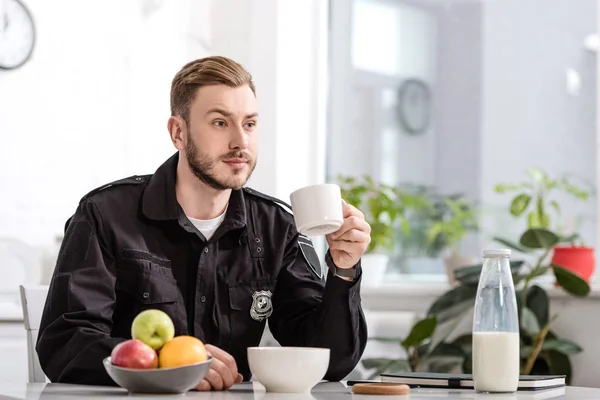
176, 380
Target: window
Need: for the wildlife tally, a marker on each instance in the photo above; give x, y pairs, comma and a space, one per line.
444, 98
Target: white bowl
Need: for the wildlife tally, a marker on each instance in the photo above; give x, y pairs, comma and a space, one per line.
288, 369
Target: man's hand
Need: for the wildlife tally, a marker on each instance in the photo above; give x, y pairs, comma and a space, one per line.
349, 243
223, 372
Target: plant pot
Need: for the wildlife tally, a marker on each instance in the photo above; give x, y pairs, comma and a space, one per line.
577, 259
454, 262
373, 268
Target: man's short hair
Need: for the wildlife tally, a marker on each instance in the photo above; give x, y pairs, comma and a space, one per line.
214, 70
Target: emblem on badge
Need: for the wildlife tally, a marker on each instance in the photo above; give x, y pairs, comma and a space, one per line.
262, 307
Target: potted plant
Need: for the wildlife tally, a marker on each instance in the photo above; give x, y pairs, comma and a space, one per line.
384, 208
378, 204
438, 224
534, 199
429, 347
451, 229
542, 351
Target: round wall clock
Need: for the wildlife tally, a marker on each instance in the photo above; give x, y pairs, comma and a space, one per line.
414, 106
17, 34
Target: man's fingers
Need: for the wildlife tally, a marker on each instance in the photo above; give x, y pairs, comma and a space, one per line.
204, 386
214, 378
227, 377
349, 210
240, 378
224, 357
223, 372
352, 222
355, 235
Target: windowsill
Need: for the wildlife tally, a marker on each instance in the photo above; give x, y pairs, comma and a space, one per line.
417, 292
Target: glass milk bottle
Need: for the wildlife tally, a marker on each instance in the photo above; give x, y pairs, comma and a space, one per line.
496, 349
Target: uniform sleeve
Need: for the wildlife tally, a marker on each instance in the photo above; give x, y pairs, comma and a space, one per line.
309, 311
75, 328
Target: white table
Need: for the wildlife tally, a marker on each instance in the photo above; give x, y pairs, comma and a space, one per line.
249, 391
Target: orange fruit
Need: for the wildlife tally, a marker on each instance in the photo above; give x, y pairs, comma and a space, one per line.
180, 351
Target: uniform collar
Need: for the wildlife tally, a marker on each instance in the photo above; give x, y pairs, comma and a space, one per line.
159, 201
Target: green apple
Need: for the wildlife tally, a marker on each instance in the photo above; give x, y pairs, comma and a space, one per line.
153, 327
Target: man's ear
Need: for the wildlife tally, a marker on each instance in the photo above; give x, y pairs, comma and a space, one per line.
177, 130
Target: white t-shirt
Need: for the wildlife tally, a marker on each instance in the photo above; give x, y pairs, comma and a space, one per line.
208, 226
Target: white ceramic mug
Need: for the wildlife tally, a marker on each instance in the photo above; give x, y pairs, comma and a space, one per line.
317, 209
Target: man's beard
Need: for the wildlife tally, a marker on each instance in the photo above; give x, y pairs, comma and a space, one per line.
203, 167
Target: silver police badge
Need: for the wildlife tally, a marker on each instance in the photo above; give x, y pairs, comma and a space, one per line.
262, 307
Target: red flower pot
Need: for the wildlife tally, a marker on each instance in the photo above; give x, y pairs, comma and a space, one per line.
579, 260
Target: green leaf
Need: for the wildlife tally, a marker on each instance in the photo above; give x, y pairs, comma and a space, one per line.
470, 275
570, 281
563, 346
529, 322
386, 340
467, 366
512, 245
539, 304
537, 174
420, 331
535, 220
520, 204
451, 299
538, 238
575, 191
447, 350
570, 239
559, 364
385, 365
405, 226
443, 367
399, 366
556, 206
465, 341
370, 363
449, 324
503, 187
456, 311
538, 271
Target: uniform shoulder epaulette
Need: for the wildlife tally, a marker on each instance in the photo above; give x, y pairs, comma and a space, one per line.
131, 180
267, 197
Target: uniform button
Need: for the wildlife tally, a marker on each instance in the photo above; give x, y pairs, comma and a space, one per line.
146, 295
206, 249
258, 249
138, 179
203, 299
257, 240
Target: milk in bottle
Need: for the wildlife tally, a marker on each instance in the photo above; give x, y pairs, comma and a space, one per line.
496, 326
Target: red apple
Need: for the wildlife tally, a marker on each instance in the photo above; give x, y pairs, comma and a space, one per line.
135, 354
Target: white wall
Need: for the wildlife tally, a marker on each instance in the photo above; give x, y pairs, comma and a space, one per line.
92, 104
90, 107
528, 117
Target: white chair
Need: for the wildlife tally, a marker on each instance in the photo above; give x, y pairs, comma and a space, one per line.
32, 300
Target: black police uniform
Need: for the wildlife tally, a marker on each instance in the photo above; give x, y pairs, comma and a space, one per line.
129, 247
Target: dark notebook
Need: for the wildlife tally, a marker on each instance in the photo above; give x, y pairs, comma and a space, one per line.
465, 381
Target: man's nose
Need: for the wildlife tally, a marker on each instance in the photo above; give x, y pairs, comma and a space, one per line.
240, 139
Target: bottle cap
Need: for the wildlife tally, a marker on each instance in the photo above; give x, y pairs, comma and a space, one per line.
496, 253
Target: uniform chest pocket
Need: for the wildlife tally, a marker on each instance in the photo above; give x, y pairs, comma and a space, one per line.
146, 278
255, 298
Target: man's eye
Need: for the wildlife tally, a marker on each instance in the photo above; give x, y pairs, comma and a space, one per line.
219, 123
251, 124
